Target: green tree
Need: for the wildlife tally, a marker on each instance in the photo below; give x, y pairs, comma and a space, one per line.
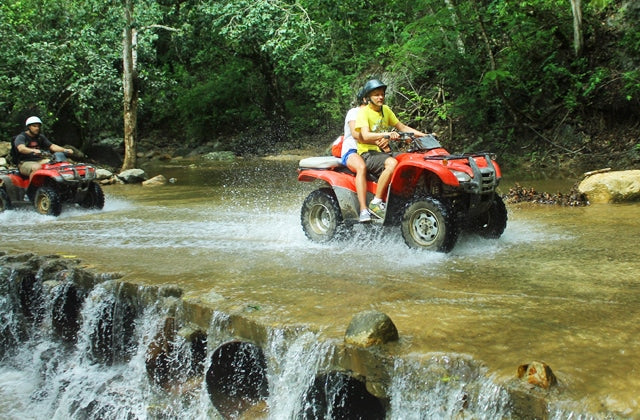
58, 61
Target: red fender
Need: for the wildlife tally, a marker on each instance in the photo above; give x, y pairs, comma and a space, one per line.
410, 168
39, 177
18, 181
333, 178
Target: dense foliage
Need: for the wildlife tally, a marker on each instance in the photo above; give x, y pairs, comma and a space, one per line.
258, 75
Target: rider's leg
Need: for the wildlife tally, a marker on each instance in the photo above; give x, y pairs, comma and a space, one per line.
356, 164
385, 177
28, 167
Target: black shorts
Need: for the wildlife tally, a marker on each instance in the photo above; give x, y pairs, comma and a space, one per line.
375, 161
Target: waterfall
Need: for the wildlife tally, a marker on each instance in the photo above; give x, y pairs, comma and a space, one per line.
76, 345
445, 386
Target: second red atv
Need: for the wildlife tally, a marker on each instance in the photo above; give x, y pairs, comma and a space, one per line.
56, 183
432, 197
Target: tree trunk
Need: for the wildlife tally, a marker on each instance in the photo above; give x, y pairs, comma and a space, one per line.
578, 40
129, 88
454, 19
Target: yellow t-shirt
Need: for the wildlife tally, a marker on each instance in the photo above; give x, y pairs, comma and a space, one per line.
378, 122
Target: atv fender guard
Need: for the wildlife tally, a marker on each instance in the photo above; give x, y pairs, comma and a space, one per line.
335, 179
408, 170
343, 185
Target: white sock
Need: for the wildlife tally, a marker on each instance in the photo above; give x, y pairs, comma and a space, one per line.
376, 200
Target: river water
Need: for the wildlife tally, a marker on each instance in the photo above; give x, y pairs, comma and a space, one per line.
562, 285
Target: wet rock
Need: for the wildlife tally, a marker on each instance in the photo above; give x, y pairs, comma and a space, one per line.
5, 148
370, 328
338, 395
132, 176
155, 181
611, 187
529, 391
193, 333
538, 374
159, 355
237, 378
66, 311
103, 174
112, 336
170, 290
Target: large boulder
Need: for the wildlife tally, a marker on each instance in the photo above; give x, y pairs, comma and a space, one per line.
370, 328
5, 148
612, 187
132, 176
155, 181
102, 174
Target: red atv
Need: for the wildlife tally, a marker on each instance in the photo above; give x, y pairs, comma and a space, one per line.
56, 183
433, 195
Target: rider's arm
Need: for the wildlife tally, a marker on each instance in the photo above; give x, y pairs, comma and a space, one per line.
354, 133
405, 128
22, 148
369, 137
55, 148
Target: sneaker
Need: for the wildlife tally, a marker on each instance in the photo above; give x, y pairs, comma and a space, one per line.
377, 210
365, 216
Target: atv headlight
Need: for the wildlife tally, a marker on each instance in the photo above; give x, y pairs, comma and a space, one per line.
462, 176
69, 176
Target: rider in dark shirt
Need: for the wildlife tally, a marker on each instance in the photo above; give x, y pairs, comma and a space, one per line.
30, 144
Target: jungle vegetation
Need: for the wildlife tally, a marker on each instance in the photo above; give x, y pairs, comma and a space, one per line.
534, 78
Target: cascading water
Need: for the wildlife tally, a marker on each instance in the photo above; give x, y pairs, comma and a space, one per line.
120, 357
445, 386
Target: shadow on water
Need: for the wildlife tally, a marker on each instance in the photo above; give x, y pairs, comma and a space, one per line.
560, 285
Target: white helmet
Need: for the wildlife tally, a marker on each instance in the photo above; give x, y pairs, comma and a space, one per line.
32, 120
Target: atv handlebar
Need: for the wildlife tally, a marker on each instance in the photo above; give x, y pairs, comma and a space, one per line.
404, 135
409, 142
53, 157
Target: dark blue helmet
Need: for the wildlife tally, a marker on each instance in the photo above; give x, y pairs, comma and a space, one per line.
372, 85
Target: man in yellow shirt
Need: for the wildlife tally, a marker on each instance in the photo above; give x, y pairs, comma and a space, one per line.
375, 122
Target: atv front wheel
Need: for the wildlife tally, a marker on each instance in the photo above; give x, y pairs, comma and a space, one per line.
427, 224
492, 223
321, 215
48, 202
5, 201
94, 198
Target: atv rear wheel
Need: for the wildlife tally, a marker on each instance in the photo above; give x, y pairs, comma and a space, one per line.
48, 202
427, 224
321, 215
94, 199
5, 201
493, 222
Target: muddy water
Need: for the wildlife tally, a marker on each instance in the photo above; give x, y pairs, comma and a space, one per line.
561, 285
